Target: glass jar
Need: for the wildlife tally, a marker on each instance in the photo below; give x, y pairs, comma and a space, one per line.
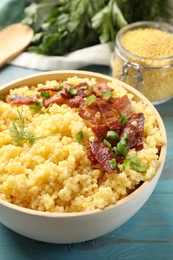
153, 77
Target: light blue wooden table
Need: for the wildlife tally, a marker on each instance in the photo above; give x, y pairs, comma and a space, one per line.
146, 236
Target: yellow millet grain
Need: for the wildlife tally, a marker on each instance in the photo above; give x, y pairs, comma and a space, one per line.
148, 43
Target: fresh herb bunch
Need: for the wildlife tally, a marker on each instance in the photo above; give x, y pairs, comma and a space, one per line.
63, 26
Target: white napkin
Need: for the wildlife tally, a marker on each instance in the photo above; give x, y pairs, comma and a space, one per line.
95, 55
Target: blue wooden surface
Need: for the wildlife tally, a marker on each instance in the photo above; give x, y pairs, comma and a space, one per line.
147, 235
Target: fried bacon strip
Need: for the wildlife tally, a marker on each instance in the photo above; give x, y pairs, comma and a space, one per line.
103, 155
59, 100
100, 131
123, 105
100, 88
91, 114
110, 114
134, 128
76, 102
20, 100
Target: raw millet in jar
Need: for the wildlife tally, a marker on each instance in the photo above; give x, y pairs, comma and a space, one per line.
152, 49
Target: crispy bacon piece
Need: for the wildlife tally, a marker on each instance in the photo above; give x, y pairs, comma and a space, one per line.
103, 155
91, 114
82, 85
37, 96
19, 100
134, 128
77, 101
100, 131
85, 93
100, 88
91, 157
110, 114
82, 90
124, 106
64, 92
59, 100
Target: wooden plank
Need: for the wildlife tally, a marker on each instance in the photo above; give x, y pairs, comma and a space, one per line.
149, 231
146, 236
166, 109
165, 184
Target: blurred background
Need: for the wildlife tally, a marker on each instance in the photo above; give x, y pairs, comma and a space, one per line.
63, 26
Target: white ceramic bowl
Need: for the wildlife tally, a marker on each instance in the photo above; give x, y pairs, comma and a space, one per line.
77, 227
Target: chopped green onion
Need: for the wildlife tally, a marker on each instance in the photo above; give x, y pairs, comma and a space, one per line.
112, 135
138, 168
135, 164
90, 99
113, 164
90, 88
105, 142
45, 94
134, 160
107, 94
114, 149
79, 136
123, 120
125, 136
72, 91
120, 149
58, 87
37, 102
123, 141
36, 105
126, 164
121, 146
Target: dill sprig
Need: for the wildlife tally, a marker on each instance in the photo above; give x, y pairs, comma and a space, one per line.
20, 133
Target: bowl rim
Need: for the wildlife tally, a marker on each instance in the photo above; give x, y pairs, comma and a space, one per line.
87, 74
